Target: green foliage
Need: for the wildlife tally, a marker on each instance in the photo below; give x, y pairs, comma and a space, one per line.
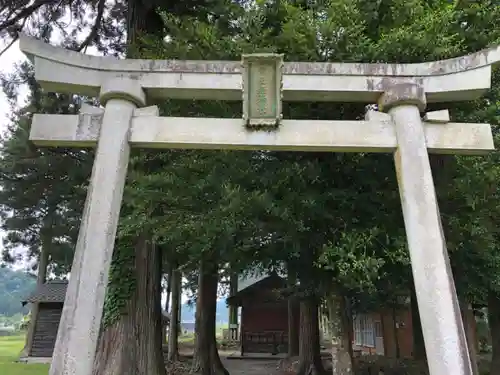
121, 283
319, 211
14, 286
335, 218
15, 320
43, 189
372, 364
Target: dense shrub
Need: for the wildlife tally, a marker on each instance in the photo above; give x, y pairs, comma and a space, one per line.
375, 365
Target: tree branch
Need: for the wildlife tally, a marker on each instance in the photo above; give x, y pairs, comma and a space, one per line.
9, 45
95, 27
25, 13
14, 39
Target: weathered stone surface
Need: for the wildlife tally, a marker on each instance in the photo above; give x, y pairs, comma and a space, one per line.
195, 133
36, 48
403, 93
462, 78
441, 117
442, 328
125, 88
372, 115
86, 109
81, 317
262, 89
147, 111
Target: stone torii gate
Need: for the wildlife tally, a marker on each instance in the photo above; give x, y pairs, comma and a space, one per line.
262, 81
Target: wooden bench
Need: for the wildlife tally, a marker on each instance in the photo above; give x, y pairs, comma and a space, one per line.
273, 342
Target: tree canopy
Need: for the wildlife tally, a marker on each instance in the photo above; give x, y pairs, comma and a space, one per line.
334, 219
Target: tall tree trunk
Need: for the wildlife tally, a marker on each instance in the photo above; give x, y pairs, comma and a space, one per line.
179, 310
349, 327
206, 360
233, 310
173, 333
494, 323
339, 327
142, 20
169, 287
293, 327
309, 346
43, 262
166, 324
131, 345
293, 310
41, 277
395, 330
418, 337
471, 344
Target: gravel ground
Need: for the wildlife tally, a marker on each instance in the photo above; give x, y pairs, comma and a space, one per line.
250, 366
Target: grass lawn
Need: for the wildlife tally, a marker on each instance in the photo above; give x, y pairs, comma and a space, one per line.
10, 347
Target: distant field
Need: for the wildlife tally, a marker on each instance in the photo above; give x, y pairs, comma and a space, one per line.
10, 347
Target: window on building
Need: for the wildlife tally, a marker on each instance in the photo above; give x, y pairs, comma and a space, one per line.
364, 330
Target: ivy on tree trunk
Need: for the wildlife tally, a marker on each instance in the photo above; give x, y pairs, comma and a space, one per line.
130, 342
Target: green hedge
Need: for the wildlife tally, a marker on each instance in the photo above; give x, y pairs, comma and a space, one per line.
375, 365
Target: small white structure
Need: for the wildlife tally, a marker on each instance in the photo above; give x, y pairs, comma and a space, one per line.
401, 90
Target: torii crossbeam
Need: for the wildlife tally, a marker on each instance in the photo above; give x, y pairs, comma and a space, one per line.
401, 90
148, 130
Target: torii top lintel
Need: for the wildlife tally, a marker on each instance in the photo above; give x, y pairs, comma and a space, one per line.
456, 79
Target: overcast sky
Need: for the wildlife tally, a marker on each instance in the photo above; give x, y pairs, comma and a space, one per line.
12, 56
7, 61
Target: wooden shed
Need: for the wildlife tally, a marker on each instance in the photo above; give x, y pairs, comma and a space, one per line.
42, 336
264, 316
50, 300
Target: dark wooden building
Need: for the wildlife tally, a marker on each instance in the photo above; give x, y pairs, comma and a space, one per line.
50, 299
264, 316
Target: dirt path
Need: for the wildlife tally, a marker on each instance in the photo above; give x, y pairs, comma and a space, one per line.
250, 366
234, 366
237, 366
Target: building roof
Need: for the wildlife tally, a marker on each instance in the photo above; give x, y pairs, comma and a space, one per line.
272, 281
50, 292
55, 292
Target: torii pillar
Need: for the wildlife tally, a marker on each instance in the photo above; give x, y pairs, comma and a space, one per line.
442, 327
401, 90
